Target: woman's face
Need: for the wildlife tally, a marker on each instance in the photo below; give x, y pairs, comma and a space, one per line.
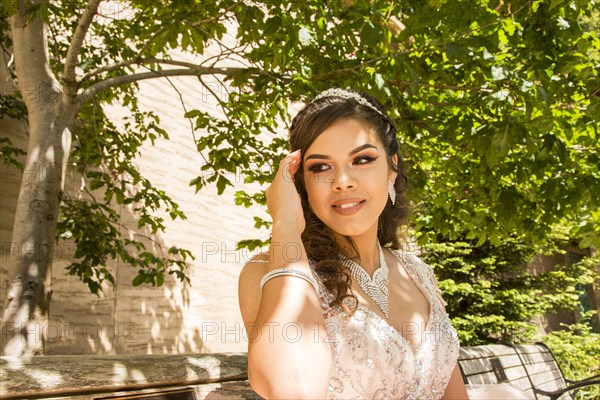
346, 176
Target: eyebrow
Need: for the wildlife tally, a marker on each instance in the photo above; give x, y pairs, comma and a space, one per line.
356, 150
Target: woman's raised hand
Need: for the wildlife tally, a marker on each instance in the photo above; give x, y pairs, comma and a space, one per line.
283, 200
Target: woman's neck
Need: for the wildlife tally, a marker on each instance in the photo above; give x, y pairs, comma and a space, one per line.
368, 249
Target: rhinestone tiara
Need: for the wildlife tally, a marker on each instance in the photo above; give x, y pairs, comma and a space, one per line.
346, 94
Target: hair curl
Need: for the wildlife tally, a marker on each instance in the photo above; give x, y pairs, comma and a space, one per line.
317, 238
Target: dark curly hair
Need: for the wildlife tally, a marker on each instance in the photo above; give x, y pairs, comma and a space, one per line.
317, 238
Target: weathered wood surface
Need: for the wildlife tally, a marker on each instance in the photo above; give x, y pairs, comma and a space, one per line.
211, 391
59, 376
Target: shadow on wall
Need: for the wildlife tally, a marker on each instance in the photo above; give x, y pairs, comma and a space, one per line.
123, 319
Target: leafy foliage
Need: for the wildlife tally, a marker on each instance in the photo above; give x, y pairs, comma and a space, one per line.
9, 153
490, 293
492, 298
497, 104
13, 107
104, 157
577, 350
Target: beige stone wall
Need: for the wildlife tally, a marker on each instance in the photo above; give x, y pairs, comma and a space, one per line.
175, 318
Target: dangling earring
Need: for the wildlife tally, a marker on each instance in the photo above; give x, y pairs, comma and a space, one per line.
392, 192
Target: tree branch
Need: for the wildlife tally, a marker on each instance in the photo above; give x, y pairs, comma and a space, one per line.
85, 21
186, 111
91, 91
137, 61
31, 58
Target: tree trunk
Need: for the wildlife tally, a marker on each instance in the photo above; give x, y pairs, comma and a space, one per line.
25, 318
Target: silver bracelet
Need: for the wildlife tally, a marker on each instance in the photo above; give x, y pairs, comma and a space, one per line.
289, 272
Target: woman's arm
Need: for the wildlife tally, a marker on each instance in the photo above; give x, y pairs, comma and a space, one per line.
456, 389
288, 353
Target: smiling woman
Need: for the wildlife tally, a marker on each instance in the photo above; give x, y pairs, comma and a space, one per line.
350, 315
352, 178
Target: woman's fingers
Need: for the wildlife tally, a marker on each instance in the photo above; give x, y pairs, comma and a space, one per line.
291, 165
283, 200
287, 169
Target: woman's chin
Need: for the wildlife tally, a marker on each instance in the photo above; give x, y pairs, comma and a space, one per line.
351, 231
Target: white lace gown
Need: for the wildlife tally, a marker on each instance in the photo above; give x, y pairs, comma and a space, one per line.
372, 360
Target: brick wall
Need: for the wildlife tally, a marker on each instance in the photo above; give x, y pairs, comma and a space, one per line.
175, 318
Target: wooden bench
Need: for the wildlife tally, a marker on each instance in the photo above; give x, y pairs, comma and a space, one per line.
531, 368
151, 377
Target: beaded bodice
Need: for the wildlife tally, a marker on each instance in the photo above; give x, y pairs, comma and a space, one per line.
372, 360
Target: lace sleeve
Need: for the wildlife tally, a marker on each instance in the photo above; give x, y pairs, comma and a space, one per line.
429, 278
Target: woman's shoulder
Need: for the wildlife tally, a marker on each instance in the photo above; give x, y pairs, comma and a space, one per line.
259, 258
255, 268
412, 260
249, 292
407, 255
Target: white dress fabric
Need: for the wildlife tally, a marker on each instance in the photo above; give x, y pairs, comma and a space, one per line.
372, 360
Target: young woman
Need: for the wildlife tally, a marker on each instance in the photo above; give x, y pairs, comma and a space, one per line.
336, 309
